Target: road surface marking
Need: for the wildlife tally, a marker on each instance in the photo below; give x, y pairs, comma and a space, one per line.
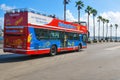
113, 48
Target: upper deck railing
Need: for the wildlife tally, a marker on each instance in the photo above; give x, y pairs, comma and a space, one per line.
28, 10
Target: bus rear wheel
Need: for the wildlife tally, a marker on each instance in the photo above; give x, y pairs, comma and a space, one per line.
53, 50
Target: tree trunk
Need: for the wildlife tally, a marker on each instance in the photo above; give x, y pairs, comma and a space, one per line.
103, 31
116, 34
79, 16
88, 25
106, 30
64, 10
111, 34
99, 31
94, 27
88, 22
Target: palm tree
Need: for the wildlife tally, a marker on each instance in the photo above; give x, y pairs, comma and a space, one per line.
111, 32
94, 12
116, 26
107, 21
65, 3
99, 19
88, 11
103, 20
79, 5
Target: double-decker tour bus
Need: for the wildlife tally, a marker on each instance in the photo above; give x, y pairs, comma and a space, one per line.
27, 32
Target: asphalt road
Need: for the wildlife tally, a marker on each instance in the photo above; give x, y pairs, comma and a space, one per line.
98, 62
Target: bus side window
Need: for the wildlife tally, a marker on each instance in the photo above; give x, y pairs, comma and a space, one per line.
54, 34
76, 36
41, 34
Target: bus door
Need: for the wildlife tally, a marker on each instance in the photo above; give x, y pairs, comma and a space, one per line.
64, 39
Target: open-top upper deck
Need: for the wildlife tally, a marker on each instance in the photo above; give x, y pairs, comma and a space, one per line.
27, 17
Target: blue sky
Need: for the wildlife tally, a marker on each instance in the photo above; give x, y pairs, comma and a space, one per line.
56, 6
107, 8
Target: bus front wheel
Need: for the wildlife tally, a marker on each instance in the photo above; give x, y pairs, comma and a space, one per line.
53, 50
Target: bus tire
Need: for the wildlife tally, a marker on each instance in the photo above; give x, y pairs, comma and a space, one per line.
53, 50
79, 47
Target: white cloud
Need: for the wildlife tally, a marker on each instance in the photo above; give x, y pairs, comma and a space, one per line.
70, 16
4, 7
1, 23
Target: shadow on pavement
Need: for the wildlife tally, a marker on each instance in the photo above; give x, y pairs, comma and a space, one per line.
68, 52
8, 58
